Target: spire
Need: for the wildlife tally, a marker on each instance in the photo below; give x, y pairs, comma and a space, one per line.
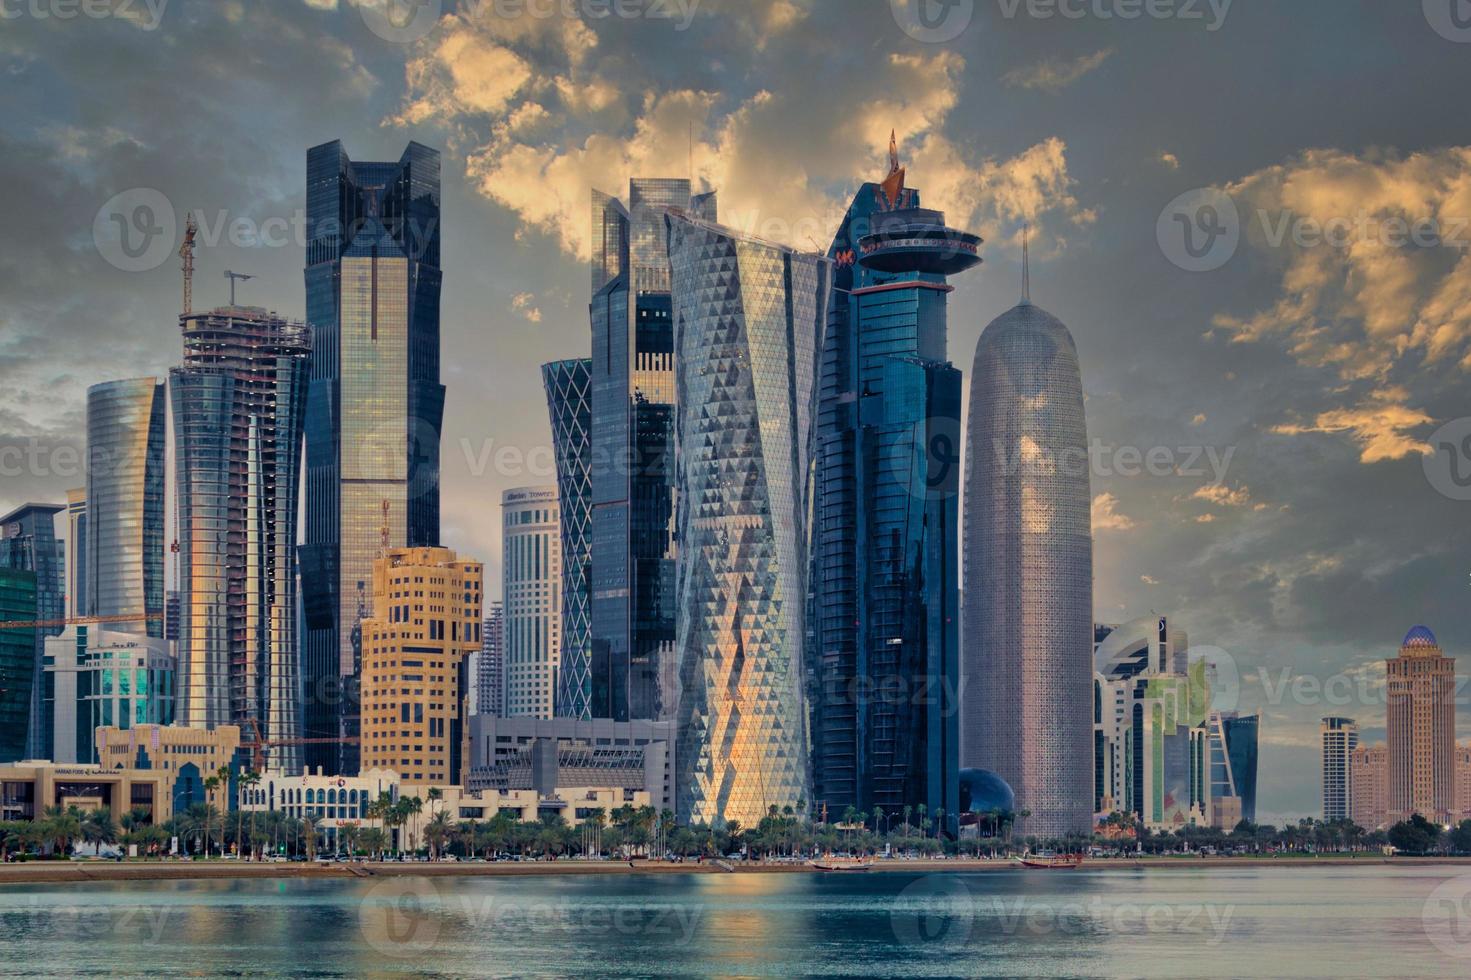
891, 189
1026, 267
893, 153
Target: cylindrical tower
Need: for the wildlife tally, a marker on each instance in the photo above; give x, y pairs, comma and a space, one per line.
1028, 610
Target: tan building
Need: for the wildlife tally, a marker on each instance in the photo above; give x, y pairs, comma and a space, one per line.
170, 749
426, 619
28, 788
1421, 723
575, 804
1463, 781
1369, 786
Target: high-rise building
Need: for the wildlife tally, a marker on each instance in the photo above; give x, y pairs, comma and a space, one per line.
885, 579
375, 406
749, 319
1340, 737
239, 403
28, 541
1241, 734
125, 497
1368, 777
570, 404
97, 678
631, 575
17, 655
1420, 720
531, 584
1025, 712
490, 675
1463, 781
425, 620
76, 552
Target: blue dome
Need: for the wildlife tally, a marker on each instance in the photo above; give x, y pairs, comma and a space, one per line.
1419, 636
982, 791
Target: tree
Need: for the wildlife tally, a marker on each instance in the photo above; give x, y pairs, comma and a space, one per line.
1460, 838
247, 781
1415, 835
99, 828
62, 826
437, 832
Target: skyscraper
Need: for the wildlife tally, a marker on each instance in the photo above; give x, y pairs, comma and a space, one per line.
28, 541
491, 668
1421, 724
76, 552
1340, 738
238, 405
749, 319
570, 405
631, 574
17, 654
125, 494
1368, 780
375, 406
885, 577
531, 583
1029, 571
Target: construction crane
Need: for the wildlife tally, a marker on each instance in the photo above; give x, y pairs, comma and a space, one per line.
233, 276
186, 252
259, 744
27, 624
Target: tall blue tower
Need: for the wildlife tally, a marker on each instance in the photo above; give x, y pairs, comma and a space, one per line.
883, 661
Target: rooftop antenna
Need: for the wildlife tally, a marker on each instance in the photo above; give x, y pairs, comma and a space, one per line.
232, 276
1026, 266
186, 252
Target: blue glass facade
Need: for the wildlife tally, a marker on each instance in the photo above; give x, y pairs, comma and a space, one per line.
568, 388
28, 541
1241, 733
17, 660
883, 662
375, 405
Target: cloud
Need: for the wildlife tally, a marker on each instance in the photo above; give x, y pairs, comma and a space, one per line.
1106, 516
1205, 518
1148, 580
1219, 493
1199, 419
1382, 429
1054, 74
1170, 160
525, 304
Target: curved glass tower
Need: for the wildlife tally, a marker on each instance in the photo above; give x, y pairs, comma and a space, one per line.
125, 463
568, 387
1028, 705
749, 320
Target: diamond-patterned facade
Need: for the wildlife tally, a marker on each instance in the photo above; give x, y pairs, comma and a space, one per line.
569, 401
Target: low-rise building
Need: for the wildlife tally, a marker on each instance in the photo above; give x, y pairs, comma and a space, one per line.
28, 787
333, 802
523, 753
188, 756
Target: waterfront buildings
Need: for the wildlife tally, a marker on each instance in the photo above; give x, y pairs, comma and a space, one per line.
633, 395
531, 587
1368, 779
187, 756
425, 621
1029, 570
749, 318
17, 656
1421, 726
28, 788
885, 577
28, 541
125, 499
75, 560
95, 678
1234, 770
330, 802
490, 668
1340, 736
569, 401
375, 405
238, 408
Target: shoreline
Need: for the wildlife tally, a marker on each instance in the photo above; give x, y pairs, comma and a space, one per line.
53, 872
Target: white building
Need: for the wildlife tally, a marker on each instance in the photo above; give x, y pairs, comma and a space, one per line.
332, 801
532, 590
96, 678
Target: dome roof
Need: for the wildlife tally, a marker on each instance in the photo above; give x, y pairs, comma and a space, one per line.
1419, 636
982, 791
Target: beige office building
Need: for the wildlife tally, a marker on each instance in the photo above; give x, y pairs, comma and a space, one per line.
531, 568
170, 749
1421, 723
28, 788
1369, 786
426, 619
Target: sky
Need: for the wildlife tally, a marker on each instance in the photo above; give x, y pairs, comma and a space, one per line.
1277, 405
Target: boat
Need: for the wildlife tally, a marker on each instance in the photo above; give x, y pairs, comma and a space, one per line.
840, 864
1048, 861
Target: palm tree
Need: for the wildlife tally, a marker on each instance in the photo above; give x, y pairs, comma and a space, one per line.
907, 810
247, 781
437, 832
99, 828
211, 783
62, 825
349, 834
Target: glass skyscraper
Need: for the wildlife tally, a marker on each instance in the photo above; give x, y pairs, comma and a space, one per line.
238, 404
1028, 704
569, 402
749, 318
17, 660
884, 658
375, 405
631, 575
531, 587
125, 488
28, 541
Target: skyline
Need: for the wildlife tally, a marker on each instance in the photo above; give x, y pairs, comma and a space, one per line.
1324, 596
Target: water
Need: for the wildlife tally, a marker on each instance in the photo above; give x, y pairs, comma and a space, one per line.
1228, 922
